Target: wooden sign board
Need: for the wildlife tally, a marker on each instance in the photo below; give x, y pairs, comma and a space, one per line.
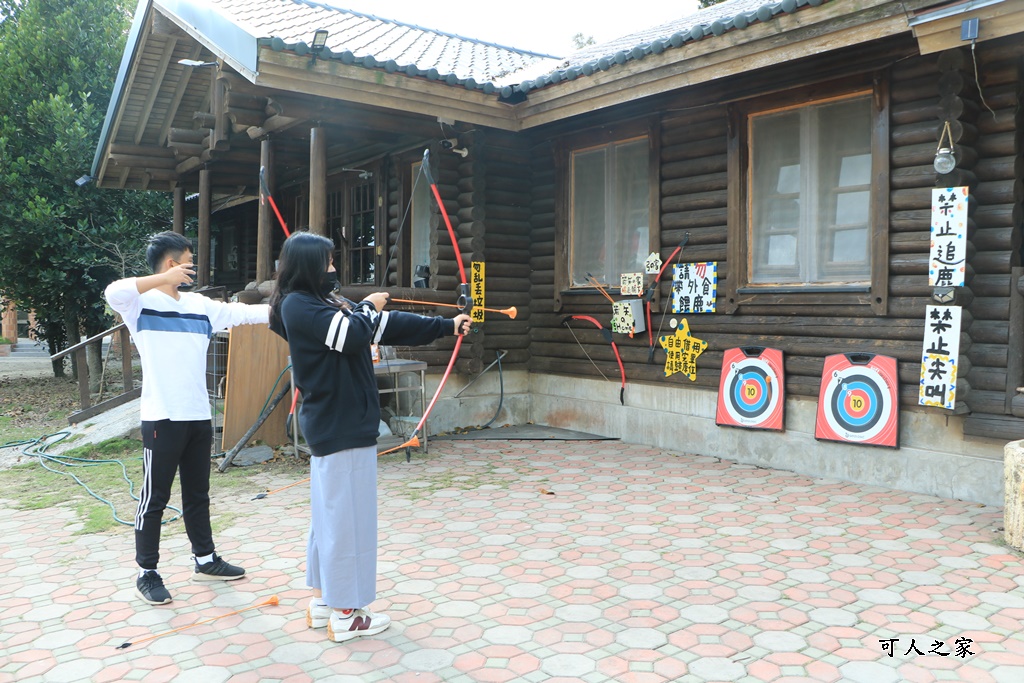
256, 356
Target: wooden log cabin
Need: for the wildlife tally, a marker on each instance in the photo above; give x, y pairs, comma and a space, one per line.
554, 168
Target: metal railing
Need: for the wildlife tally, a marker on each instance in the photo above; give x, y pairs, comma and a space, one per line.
129, 392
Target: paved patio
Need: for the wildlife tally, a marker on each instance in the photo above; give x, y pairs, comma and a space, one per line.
548, 561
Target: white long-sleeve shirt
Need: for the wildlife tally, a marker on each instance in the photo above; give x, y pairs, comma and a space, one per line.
172, 336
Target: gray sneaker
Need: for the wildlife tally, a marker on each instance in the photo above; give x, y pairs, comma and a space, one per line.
150, 587
218, 570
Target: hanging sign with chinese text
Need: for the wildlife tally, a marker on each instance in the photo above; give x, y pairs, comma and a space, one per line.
940, 356
477, 287
694, 287
653, 263
631, 284
682, 350
628, 316
948, 237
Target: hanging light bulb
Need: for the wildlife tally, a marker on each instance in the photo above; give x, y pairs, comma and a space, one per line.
945, 159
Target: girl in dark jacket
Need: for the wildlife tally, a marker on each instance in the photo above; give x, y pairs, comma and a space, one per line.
329, 340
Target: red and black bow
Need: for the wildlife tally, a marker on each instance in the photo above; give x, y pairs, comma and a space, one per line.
607, 334
649, 295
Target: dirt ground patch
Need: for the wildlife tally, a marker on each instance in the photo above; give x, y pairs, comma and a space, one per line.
33, 406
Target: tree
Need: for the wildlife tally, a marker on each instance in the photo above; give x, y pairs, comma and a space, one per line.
63, 244
579, 41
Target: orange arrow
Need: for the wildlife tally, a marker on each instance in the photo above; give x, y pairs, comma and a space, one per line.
510, 311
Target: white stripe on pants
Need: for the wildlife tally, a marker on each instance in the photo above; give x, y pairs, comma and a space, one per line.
341, 557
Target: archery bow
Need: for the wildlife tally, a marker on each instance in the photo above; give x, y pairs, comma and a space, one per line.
265, 194
649, 295
465, 304
607, 334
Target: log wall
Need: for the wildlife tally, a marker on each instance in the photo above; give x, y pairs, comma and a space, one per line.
693, 181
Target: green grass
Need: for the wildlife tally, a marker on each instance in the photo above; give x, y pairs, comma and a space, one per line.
9, 433
31, 487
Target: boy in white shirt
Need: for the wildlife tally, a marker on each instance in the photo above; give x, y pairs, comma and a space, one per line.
172, 330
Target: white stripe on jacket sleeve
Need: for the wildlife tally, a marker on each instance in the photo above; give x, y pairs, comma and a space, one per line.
337, 332
380, 328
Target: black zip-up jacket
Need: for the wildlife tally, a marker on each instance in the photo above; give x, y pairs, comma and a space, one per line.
330, 350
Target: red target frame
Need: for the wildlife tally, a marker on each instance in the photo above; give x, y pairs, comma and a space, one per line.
752, 389
859, 400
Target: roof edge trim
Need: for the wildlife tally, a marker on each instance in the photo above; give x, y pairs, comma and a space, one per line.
118, 93
220, 35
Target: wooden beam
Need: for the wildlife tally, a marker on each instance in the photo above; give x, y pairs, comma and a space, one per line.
179, 210
318, 181
188, 165
142, 151
179, 93
995, 21
218, 108
351, 115
264, 225
154, 87
272, 125
389, 91
132, 160
203, 257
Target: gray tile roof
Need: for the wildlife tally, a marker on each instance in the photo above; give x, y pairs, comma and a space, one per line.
373, 42
732, 15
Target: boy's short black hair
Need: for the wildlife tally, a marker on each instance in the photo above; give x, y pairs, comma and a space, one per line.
165, 244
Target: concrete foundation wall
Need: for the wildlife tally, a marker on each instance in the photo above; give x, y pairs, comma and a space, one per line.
934, 457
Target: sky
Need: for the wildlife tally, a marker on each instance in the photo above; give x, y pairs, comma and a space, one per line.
536, 25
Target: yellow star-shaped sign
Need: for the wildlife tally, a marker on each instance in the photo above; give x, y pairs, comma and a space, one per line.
682, 351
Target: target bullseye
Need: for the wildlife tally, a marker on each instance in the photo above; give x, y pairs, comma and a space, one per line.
858, 400
750, 391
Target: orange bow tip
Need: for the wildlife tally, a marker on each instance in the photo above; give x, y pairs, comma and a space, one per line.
510, 312
273, 600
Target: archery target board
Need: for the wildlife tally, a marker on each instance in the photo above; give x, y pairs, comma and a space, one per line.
859, 400
751, 393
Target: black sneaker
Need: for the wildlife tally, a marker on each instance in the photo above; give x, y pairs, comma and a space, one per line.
218, 570
150, 587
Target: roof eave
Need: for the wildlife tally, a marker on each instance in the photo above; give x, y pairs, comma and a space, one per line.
376, 87
120, 90
832, 26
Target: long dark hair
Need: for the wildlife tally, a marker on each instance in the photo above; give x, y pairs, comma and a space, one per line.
304, 260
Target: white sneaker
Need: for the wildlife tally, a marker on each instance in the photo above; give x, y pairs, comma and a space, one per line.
362, 622
317, 615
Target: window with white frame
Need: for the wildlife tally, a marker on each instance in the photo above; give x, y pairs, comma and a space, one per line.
810, 194
609, 212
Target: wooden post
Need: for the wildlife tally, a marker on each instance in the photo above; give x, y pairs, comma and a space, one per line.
126, 359
264, 234
203, 264
179, 210
318, 181
1013, 502
85, 398
9, 329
